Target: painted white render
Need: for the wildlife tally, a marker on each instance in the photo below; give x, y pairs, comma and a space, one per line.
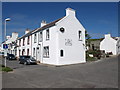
11, 43
109, 44
62, 41
118, 46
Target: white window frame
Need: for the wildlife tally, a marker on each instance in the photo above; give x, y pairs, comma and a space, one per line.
47, 34
46, 52
35, 38
40, 36
80, 35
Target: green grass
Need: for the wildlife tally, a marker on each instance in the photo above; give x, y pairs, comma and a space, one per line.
5, 69
91, 58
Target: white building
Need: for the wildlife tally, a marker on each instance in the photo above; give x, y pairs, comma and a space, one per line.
11, 42
60, 42
110, 44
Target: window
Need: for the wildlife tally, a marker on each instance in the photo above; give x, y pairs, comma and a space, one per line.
35, 38
80, 35
19, 52
19, 42
40, 37
47, 34
28, 40
23, 41
46, 52
23, 51
62, 29
61, 53
27, 51
33, 52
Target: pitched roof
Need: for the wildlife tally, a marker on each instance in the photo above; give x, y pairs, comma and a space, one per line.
41, 28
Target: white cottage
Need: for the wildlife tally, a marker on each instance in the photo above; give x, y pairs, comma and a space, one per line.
110, 44
60, 42
11, 40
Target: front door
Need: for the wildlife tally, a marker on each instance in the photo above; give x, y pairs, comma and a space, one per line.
38, 56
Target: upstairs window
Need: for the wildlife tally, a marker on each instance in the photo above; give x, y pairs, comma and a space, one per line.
47, 34
46, 52
80, 35
19, 42
23, 41
35, 38
40, 37
62, 30
28, 41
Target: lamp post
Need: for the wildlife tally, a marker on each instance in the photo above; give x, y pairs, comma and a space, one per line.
7, 19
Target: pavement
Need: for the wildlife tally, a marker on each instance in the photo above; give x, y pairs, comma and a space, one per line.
97, 74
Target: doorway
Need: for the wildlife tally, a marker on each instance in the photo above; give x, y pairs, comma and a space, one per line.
38, 53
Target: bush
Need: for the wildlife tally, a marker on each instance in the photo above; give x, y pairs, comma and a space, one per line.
88, 58
96, 53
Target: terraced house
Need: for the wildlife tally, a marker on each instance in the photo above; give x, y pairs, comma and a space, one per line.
60, 42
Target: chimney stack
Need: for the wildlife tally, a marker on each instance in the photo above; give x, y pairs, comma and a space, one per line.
70, 11
15, 35
8, 37
107, 35
27, 31
43, 23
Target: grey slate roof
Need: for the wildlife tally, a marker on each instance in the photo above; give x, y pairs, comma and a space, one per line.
41, 28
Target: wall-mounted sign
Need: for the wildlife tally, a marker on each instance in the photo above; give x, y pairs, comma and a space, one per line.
5, 46
68, 42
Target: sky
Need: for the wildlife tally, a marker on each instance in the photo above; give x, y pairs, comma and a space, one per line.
98, 18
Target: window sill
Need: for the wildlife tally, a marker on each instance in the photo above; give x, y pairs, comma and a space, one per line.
45, 57
47, 39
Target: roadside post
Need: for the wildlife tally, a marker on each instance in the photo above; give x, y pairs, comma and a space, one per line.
5, 46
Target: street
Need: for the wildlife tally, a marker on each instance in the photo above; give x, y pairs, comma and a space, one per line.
97, 74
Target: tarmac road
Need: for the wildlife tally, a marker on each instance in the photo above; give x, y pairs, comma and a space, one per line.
98, 74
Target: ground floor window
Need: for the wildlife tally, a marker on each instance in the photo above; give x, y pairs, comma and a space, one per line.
33, 52
19, 52
23, 51
46, 52
61, 53
27, 51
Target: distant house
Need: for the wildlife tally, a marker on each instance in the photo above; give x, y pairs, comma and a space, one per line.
60, 42
11, 42
110, 44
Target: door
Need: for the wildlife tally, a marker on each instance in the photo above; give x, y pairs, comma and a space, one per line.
38, 56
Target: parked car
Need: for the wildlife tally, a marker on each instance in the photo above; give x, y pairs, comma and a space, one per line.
27, 60
11, 57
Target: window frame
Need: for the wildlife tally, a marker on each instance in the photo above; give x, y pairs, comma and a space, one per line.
28, 40
47, 34
40, 36
35, 38
46, 53
80, 35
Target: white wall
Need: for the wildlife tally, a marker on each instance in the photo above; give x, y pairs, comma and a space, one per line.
109, 45
52, 43
75, 53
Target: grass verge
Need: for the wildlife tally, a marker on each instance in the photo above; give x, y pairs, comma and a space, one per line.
5, 69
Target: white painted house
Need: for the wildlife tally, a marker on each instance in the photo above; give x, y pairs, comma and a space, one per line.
110, 44
60, 42
11, 40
